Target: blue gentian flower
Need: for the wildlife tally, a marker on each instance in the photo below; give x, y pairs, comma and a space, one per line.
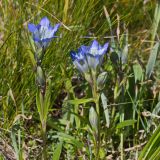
79, 60
43, 33
89, 57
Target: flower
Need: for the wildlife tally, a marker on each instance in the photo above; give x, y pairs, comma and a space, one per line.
79, 60
43, 33
89, 57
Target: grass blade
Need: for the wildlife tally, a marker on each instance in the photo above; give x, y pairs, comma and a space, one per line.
152, 60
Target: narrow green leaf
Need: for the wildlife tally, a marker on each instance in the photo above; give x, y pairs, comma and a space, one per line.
105, 107
32, 43
152, 60
155, 155
138, 72
40, 77
38, 104
93, 119
70, 139
31, 56
125, 48
101, 80
125, 123
80, 101
156, 20
14, 142
57, 151
151, 146
10, 93
47, 100
110, 24
156, 109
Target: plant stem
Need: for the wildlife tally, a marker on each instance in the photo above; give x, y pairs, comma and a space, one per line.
44, 153
98, 136
121, 75
96, 101
121, 135
43, 122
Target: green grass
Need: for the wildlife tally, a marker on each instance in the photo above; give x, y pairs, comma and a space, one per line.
129, 110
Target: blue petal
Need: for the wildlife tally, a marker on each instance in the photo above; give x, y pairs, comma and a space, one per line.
56, 27
43, 32
94, 47
81, 54
47, 39
95, 44
106, 45
36, 36
52, 30
44, 22
32, 28
78, 66
103, 49
36, 39
73, 55
38, 26
81, 65
84, 49
93, 61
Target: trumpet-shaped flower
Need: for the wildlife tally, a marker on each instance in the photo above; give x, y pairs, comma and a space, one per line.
89, 57
79, 60
43, 33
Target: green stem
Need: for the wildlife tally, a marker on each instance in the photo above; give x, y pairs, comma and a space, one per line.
122, 155
41, 83
121, 113
98, 136
96, 101
43, 123
44, 152
121, 135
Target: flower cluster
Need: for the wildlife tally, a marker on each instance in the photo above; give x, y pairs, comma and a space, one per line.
89, 57
43, 33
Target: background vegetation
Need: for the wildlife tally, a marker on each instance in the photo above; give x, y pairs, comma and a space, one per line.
129, 107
